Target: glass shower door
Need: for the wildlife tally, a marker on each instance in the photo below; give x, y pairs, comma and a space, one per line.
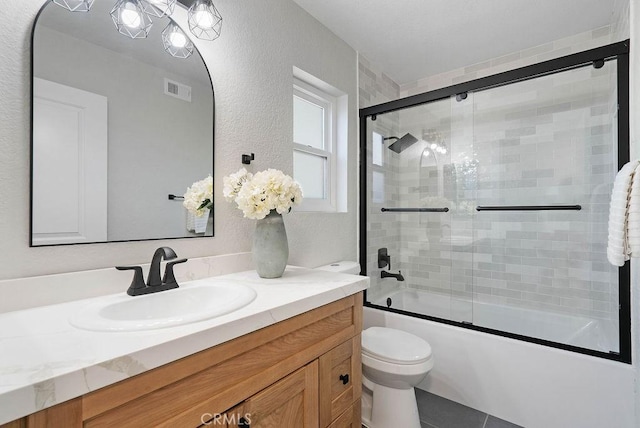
544, 147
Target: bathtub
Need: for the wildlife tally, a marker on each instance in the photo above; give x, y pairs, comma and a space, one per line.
600, 335
528, 384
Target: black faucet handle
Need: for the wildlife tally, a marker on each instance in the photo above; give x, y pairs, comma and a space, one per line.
137, 282
169, 277
384, 259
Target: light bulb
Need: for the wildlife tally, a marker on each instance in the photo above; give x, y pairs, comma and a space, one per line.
434, 146
203, 18
175, 42
178, 39
130, 16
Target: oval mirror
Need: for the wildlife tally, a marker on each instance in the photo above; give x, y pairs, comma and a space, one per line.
118, 126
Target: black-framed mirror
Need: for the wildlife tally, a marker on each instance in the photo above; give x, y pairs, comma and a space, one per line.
118, 125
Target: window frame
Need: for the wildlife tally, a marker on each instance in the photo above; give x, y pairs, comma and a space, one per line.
329, 104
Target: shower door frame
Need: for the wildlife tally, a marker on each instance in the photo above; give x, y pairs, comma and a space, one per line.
616, 51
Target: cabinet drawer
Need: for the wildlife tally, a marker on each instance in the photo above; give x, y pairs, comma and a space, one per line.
340, 380
349, 419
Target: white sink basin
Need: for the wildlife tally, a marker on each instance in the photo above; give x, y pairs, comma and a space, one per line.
199, 300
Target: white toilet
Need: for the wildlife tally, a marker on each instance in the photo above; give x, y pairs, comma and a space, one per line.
393, 362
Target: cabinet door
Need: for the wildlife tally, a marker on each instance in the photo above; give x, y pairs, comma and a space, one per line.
289, 403
340, 380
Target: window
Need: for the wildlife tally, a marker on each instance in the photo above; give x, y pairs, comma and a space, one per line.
319, 143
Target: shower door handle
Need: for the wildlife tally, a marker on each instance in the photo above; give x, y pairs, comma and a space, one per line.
415, 210
530, 208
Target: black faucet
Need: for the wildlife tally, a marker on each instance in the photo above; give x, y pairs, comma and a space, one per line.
154, 284
398, 276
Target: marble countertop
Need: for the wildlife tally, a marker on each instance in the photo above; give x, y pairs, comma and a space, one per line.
45, 361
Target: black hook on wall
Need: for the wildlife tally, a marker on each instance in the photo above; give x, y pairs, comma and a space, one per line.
246, 159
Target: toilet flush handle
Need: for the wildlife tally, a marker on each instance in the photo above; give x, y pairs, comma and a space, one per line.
344, 378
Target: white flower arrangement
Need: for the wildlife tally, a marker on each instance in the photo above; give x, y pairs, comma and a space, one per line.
257, 194
199, 197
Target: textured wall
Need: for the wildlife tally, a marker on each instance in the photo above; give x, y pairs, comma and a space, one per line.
251, 67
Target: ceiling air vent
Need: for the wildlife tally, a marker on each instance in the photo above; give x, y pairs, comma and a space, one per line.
177, 90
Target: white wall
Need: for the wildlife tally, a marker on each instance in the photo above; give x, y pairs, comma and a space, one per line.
251, 66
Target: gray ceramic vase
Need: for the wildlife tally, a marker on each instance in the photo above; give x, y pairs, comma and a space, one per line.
270, 246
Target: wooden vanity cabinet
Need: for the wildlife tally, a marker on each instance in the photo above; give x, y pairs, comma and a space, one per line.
301, 372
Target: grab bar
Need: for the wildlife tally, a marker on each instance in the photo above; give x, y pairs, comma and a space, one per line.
415, 210
530, 208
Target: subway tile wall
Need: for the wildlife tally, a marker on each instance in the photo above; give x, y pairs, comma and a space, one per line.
540, 142
383, 229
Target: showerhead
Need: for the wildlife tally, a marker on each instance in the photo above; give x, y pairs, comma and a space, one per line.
401, 144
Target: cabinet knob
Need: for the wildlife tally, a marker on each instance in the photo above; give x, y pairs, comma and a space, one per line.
243, 423
344, 378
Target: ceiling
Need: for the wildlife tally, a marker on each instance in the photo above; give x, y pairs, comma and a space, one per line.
411, 39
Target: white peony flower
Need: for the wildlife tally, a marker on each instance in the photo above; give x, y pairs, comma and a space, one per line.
256, 195
233, 183
199, 197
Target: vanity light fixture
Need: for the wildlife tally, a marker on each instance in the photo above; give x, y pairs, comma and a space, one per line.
175, 42
75, 5
130, 19
133, 19
158, 8
204, 20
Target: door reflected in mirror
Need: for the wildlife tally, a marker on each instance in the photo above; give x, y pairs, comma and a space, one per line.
118, 125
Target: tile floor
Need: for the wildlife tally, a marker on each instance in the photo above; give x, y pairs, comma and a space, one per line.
438, 412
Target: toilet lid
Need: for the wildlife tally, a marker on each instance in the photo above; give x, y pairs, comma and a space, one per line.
394, 346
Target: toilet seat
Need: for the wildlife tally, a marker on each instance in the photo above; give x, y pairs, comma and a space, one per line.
394, 346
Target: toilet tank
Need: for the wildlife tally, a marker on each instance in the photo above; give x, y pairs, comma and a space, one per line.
342, 267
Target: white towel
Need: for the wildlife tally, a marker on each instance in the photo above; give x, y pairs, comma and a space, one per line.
621, 243
197, 224
633, 221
